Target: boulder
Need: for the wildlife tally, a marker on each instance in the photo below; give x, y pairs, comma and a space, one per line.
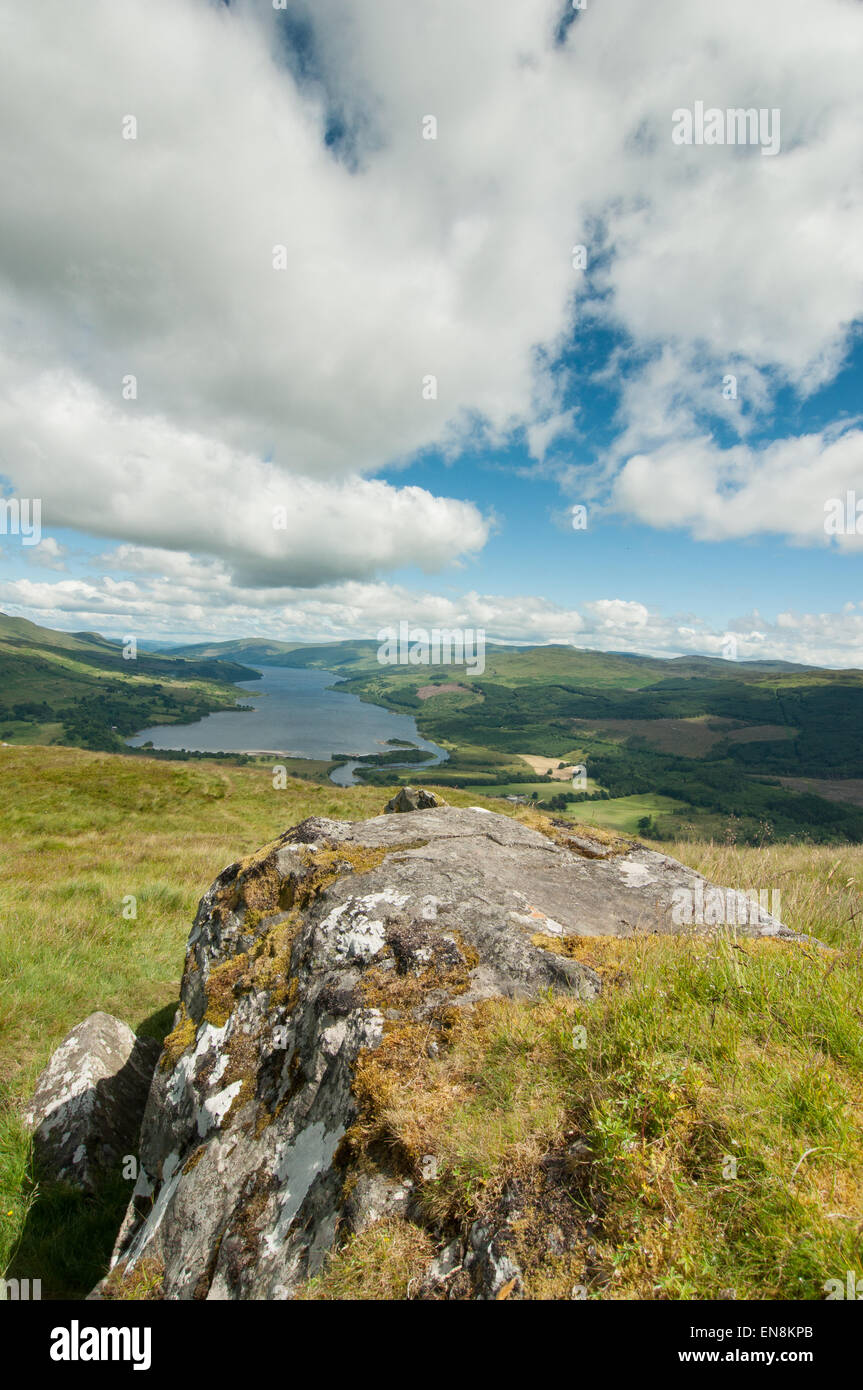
87, 1107
303, 962
412, 799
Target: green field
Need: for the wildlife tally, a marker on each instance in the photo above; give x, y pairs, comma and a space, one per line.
623, 813
723, 745
542, 789
79, 833
699, 1053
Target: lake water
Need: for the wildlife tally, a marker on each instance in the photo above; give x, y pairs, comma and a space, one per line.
298, 716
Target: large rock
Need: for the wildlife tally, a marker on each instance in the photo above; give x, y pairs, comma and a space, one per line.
301, 961
86, 1110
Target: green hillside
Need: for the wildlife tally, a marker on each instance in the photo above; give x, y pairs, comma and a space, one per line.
701, 747
707, 739
77, 688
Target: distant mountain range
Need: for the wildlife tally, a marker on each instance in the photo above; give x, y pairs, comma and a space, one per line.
266, 652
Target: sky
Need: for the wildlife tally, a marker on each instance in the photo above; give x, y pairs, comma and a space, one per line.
316, 317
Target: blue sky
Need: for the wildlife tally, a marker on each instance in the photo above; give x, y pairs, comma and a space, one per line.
312, 214
715, 578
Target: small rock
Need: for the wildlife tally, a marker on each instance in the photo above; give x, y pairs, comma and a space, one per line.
492, 1271
87, 1107
413, 799
445, 1264
374, 1197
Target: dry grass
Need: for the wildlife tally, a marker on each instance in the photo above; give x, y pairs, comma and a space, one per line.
716, 1104
380, 1263
81, 835
820, 886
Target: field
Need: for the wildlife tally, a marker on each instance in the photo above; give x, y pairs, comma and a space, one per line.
80, 832
754, 1053
624, 812
757, 752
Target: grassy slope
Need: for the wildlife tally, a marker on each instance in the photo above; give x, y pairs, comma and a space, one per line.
692, 1055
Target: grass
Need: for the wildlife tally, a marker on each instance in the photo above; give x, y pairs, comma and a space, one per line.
696, 1053
714, 1112
820, 886
623, 812
80, 835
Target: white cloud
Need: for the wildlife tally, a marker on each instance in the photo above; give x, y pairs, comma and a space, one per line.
153, 256
111, 473
178, 597
780, 488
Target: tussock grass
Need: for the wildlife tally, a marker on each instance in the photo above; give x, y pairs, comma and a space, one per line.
379, 1263
820, 886
710, 1125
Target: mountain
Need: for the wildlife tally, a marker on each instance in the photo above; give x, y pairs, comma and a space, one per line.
264, 652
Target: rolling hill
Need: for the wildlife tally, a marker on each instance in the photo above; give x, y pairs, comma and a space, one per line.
77, 688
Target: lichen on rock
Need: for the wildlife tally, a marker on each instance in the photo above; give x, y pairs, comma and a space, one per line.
320, 970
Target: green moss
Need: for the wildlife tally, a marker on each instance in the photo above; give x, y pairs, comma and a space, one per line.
195, 1159
179, 1040
221, 984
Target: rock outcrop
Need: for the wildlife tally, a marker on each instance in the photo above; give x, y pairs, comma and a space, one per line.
86, 1110
303, 961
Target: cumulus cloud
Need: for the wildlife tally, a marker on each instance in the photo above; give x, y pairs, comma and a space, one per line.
172, 596
165, 385
112, 474
786, 487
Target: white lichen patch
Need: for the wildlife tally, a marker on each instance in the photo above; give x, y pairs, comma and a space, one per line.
353, 931
172, 1172
297, 1167
635, 875
215, 1108
333, 1037
537, 920
182, 1078
289, 857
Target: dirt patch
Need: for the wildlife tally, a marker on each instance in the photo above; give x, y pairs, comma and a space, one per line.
548, 767
689, 738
